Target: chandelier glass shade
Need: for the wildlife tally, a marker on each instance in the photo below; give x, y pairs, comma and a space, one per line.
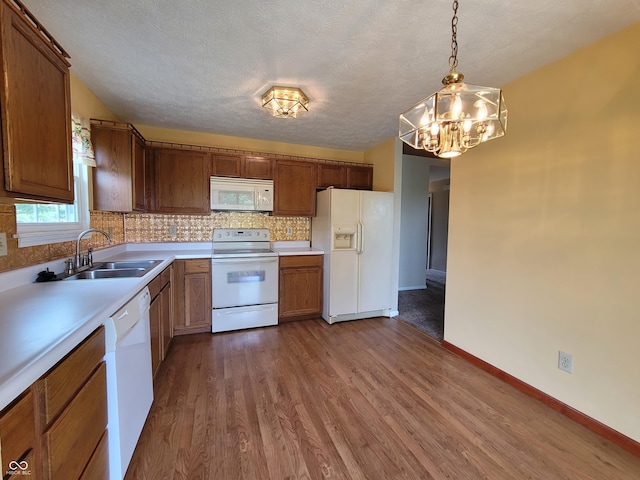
454, 119
457, 117
285, 102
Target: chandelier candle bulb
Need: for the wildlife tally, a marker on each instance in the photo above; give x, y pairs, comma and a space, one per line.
457, 117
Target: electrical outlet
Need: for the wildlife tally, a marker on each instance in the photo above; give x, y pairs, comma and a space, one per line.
565, 362
3, 244
173, 231
110, 231
289, 230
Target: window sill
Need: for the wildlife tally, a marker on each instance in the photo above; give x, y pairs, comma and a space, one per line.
33, 239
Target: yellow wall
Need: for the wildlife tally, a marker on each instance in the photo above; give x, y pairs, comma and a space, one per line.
383, 157
223, 141
544, 234
84, 102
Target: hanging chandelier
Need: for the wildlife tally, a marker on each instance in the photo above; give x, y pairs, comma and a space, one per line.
285, 102
457, 117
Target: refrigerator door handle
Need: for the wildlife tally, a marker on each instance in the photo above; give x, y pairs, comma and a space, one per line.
360, 238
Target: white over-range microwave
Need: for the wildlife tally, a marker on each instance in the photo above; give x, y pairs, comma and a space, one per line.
241, 195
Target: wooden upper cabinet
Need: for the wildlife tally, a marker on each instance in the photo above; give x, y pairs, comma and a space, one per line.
139, 182
224, 165
119, 178
260, 168
331, 175
35, 110
241, 166
181, 181
360, 177
295, 188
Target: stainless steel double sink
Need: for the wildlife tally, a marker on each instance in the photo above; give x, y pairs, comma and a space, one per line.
116, 269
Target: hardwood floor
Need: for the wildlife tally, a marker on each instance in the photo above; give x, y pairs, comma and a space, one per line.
368, 399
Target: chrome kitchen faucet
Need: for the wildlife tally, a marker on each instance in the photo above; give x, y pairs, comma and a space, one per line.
89, 256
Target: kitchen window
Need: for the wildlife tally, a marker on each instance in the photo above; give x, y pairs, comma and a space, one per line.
44, 223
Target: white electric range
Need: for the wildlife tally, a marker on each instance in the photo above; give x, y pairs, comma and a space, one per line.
244, 282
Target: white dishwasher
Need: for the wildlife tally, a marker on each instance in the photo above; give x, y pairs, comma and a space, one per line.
129, 379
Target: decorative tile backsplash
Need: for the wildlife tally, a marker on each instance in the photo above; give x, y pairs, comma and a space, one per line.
26, 256
199, 228
138, 228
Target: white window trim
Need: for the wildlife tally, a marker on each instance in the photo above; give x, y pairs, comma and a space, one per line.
33, 234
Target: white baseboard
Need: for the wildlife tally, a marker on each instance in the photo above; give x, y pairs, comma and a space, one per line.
416, 287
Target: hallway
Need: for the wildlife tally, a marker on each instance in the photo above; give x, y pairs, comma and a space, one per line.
424, 308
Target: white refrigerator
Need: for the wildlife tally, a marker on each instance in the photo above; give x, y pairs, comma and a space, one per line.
354, 228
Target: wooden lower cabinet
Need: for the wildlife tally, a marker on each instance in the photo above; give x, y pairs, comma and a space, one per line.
70, 442
166, 320
154, 331
300, 290
57, 429
72, 412
192, 296
161, 316
59, 385
98, 466
18, 439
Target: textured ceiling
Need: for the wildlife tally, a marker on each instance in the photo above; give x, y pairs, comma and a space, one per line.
202, 65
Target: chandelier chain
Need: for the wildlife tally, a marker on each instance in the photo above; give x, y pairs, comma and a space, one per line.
453, 59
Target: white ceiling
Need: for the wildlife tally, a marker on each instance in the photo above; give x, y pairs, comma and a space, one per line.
202, 65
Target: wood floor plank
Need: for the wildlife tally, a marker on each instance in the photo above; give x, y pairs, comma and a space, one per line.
368, 399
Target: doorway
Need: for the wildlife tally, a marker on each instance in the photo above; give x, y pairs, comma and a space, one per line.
421, 302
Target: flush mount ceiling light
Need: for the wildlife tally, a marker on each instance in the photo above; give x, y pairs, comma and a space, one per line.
457, 117
285, 102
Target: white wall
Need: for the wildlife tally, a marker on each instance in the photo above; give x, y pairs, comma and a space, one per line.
439, 225
544, 235
413, 222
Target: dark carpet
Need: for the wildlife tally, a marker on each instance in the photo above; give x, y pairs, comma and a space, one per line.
424, 309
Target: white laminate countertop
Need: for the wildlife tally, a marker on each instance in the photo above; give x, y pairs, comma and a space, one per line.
40, 323
295, 248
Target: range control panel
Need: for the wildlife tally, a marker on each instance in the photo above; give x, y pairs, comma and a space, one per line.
240, 235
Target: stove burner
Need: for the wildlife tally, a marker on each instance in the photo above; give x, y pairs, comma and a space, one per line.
229, 243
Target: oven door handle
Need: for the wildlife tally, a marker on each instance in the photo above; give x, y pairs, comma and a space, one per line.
241, 310
220, 261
